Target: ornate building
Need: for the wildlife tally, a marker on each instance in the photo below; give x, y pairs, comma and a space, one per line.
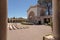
37, 14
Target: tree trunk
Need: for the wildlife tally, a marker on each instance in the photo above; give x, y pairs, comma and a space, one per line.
48, 7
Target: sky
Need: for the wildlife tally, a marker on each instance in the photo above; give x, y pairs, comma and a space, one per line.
18, 8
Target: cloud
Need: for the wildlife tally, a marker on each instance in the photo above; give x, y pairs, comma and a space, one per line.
25, 17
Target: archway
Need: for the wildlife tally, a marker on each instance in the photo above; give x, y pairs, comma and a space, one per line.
47, 20
39, 22
42, 11
31, 16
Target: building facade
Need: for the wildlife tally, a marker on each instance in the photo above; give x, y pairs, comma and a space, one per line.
37, 14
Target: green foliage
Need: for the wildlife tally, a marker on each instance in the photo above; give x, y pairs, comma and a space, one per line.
47, 4
26, 23
51, 23
19, 20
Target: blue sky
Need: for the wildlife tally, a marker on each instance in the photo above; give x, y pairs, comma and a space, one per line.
18, 8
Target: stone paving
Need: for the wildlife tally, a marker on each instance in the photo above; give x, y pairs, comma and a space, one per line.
27, 32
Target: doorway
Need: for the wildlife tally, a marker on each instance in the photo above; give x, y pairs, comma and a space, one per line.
39, 22
47, 20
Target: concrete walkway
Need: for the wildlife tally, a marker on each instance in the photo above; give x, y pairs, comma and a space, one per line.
33, 32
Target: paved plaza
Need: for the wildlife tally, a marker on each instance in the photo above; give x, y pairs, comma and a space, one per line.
28, 32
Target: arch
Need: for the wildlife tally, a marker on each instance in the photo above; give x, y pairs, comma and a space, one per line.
42, 11
31, 15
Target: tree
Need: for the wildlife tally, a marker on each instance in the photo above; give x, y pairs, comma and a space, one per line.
49, 5
46, 3
13, 17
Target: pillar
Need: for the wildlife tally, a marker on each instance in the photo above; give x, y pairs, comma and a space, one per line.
56, 19
3, 19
